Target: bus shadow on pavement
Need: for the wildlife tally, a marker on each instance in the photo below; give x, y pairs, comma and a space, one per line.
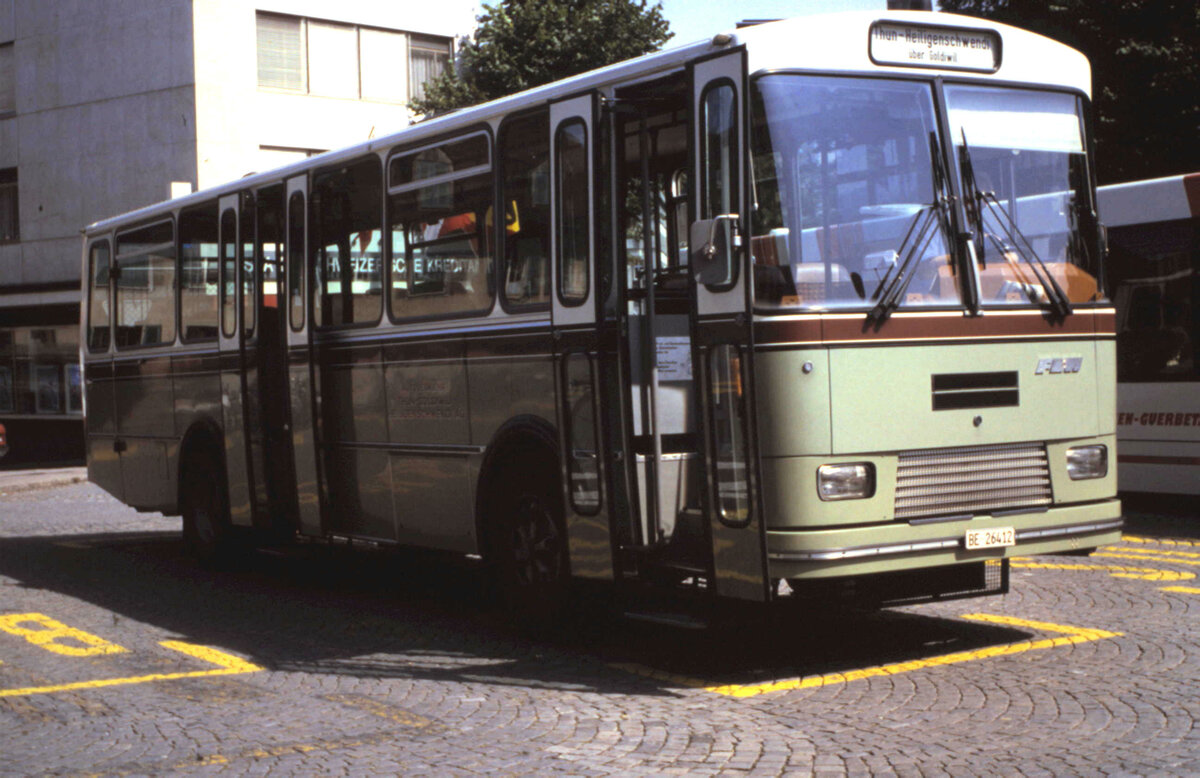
410, 615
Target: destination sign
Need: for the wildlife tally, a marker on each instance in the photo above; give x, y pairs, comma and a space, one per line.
954, 48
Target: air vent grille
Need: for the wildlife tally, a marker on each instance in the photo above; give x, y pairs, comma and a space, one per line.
972, 480
958, 391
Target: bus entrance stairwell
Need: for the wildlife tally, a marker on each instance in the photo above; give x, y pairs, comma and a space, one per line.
665, 535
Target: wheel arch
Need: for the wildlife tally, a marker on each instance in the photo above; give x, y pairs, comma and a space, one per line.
519, 437
203, 435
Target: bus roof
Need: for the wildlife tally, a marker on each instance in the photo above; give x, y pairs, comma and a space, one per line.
806, 43
1150, 200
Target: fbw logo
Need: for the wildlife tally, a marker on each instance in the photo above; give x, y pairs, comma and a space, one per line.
1056, 365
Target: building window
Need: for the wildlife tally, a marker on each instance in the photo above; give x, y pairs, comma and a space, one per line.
9, 215
329, 59
332, 60
428, 58
281, 53
381, 55
8, 80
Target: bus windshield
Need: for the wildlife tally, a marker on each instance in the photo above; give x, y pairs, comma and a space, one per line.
850, 208
1020, 157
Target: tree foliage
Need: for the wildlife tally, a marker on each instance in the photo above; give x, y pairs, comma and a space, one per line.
1145, 57
520, 44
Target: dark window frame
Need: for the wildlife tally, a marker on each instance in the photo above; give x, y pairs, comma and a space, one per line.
117, 256
397, 317
560, 262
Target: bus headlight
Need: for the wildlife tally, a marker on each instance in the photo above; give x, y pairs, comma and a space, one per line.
846, 482
1087, 462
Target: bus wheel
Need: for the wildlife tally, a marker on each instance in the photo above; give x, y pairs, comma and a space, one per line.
530, 549
206, 529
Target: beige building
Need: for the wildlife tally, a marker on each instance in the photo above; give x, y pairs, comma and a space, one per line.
111, 105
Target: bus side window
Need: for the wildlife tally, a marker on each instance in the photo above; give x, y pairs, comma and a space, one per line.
198, 273
573, 214
145, 300
228, 273
525, 202
348, 243
295, 261
249, 277
99, 333
440, 229
719, 164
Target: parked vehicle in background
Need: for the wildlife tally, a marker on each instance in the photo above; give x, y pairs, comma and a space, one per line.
1154, 258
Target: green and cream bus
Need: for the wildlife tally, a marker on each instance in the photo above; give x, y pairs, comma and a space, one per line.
809, 309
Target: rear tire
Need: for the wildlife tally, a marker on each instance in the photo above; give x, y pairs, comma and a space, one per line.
528, 544
206, 528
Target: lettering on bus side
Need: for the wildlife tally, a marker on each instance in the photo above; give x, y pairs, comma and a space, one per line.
1057, 365
1158, 419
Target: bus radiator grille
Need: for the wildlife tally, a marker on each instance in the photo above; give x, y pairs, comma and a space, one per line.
971, 480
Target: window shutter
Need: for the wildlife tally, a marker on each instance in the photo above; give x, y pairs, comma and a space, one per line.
280, 53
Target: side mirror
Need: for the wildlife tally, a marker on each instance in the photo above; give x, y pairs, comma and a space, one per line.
711, 243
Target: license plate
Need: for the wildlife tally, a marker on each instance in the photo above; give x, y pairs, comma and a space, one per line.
997, 537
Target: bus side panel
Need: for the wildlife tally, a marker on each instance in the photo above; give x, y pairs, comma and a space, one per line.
197, 390
1159, 437
509, 376
433, 500
426, 385
304, 442
103, 461
146, 425
354, 431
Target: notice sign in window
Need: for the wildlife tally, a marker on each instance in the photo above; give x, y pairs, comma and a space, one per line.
935, 47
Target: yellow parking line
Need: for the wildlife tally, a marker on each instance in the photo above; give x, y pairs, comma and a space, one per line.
1154, 551
1071, 636
1159, 541
227, 664
1149, 557
1181, 589
1117, 571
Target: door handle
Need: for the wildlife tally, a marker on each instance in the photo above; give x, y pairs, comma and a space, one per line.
119, 446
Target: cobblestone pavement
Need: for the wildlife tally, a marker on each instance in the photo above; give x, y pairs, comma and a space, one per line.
118, 655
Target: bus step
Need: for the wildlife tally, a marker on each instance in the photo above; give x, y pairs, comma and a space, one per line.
677, 620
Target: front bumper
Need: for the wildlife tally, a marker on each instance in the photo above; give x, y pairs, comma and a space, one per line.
835, 552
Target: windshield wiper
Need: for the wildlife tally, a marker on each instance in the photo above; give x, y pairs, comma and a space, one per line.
891, 288
1014, 243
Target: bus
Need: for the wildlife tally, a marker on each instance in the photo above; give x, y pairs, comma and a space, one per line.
1154, 262
811, 309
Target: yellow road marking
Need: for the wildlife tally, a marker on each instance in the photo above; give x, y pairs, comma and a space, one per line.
1149, 557
48, 633
1117, 571
1154, 551
1071, 636
1181, 589
382, 709
227, 664
288, 749
1160, 541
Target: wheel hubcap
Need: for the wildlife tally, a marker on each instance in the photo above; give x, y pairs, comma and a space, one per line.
535, 543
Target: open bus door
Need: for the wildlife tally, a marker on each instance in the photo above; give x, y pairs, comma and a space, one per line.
303, 393
231, 341
722, 332
573, 161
